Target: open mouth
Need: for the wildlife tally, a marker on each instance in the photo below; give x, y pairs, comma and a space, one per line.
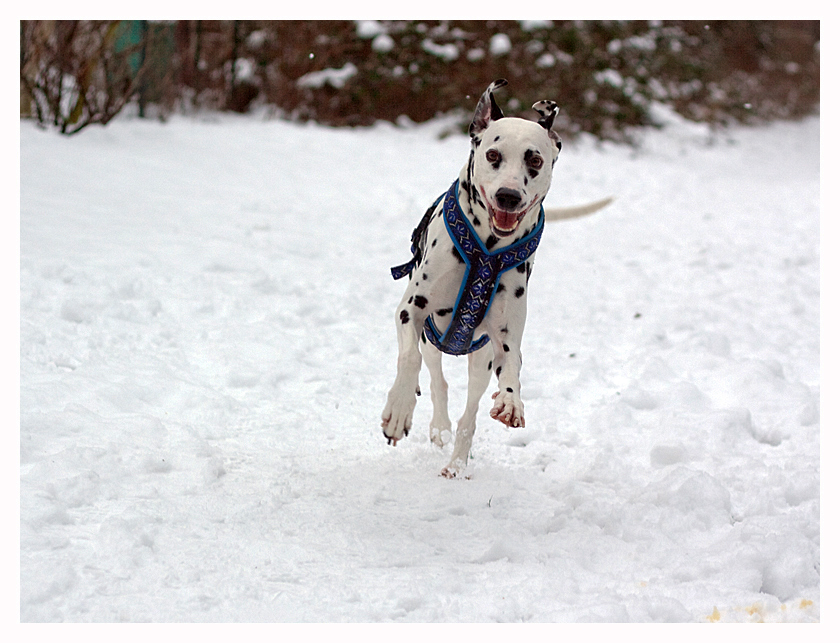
504, 223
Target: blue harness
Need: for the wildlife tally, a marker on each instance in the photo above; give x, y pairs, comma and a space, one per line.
481, 276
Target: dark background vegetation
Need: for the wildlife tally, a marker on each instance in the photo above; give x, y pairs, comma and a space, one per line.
605, 75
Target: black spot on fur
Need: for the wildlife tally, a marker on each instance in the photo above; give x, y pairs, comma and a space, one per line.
528, 267
420, 301
504, 330
457, 254
476, 222
509, 389
501, 288
404, 317
410, 299
532, 171
425, 276
434, 242
492, 240
521, 268
490, 366
506, 347
423, 337
475, 196
520, 291
443, 311
498, 371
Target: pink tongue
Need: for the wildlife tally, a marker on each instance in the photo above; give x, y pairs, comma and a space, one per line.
505, 220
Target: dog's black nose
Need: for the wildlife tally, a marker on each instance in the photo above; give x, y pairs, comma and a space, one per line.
508, 199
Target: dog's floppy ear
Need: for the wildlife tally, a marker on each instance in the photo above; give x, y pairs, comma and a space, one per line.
547, 109
487, 110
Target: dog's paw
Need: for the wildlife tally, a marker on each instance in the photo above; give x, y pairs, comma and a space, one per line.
396, 417
440, 437
456, 469
508, 409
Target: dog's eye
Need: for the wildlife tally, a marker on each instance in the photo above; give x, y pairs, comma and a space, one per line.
535, 162
493, 156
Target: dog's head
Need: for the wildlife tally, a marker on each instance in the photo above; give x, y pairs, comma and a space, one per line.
511, 161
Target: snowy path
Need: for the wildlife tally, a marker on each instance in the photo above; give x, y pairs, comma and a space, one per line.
207, 340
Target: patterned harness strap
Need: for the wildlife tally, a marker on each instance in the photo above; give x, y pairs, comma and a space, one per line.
398, 272
481, 276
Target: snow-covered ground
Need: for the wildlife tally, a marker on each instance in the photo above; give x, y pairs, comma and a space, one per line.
206, 341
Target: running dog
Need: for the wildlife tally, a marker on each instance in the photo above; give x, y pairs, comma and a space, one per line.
468, 276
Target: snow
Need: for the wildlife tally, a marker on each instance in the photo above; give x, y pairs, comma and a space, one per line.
333, 77
448, 51
206, 341
383, 43
500, 44
370, 28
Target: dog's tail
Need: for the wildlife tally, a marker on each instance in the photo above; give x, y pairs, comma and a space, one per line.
555, 214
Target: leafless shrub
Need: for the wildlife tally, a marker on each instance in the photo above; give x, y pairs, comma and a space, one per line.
75, 73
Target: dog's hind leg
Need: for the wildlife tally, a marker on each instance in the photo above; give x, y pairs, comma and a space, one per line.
480, 369
440, 428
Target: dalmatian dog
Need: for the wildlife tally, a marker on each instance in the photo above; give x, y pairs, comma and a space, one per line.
465, 244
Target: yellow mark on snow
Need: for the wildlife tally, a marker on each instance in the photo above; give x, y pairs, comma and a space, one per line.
759, 612
754, 609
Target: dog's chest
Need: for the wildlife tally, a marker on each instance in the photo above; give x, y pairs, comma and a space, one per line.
438, 280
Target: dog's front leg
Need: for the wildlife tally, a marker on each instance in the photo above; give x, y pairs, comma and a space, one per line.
508, 407
509, 327
396, 417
